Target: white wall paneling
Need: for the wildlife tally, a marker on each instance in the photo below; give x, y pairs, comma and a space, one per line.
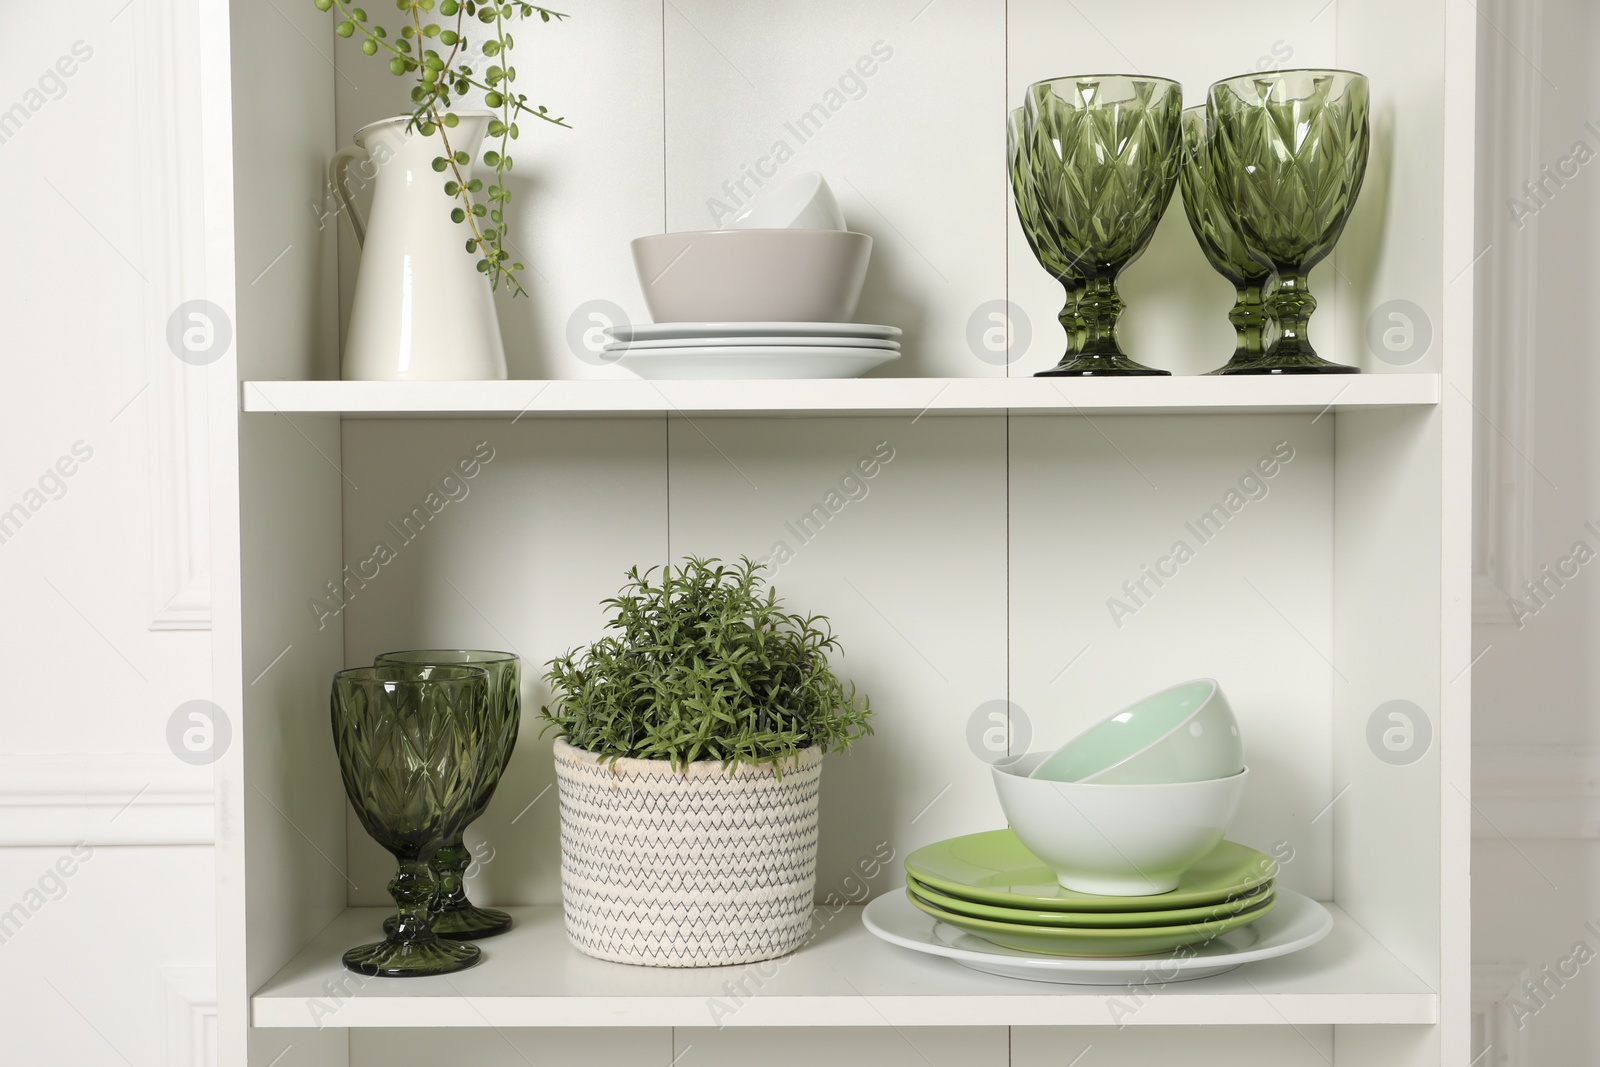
1302, 1046
173, 250
507, 1047
1499, 1038
104, 799
1536, 792
1510, 86
189, 1007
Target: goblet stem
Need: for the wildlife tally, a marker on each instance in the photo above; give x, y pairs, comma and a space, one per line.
1249, 317
412, 949
1250, 321
452, 914
1290, 306
413, 888
1070, 320
1293, 305
1099, 307
1095, 352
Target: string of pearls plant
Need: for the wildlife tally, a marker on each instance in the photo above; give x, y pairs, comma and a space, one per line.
432, 25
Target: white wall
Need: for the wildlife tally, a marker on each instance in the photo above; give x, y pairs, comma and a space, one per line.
105, 945
1537, 758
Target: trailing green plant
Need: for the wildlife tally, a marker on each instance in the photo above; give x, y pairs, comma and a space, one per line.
704, 664
440, 77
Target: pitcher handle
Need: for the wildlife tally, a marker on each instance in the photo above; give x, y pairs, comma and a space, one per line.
338, 180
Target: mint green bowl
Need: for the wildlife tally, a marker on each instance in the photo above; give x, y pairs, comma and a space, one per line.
1183, 734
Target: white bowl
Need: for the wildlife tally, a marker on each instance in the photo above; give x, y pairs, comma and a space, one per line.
1116, 840
804, 203
1186, 733
752, 275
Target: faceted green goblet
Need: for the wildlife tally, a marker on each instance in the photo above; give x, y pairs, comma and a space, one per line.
1040, 237
1106, 153
454, 916
1289, 152
1221, 243
411, 752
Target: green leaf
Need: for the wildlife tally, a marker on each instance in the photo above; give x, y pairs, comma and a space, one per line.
345, 29
440, 163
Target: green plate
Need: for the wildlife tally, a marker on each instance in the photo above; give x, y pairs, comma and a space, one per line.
995, 868
1171, 916
1109, 941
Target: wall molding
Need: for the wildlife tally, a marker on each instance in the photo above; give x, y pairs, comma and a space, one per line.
59, 799
1508, 157
1497, 1040
1536, 792
172, 247
189, 1015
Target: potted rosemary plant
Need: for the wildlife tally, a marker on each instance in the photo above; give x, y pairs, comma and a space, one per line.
689, 757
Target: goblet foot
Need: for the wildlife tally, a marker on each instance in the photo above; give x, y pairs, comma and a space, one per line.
411, 959
1084, 366
1297, 364
465, 922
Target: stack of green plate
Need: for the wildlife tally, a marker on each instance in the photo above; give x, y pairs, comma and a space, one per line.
990, 885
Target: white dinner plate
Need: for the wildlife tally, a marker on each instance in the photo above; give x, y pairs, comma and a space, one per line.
792, 340
661, 331
763, 361
1297, 922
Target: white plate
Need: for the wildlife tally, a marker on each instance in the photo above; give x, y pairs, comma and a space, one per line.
793, 340
1297, 922
764, 361
660, 331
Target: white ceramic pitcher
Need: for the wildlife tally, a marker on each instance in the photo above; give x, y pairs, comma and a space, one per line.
422, 310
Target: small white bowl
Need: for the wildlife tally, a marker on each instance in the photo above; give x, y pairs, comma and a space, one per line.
1116, 840
804, 203
752, 275
1185, 733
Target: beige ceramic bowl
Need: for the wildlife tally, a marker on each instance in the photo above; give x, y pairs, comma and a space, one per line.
752, 275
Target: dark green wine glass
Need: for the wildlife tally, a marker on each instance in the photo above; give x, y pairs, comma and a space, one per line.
1220, 241
1106, 154
1041, 239
454, 916
1289, 153
411, 752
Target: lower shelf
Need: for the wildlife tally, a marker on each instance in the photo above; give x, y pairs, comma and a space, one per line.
844, 977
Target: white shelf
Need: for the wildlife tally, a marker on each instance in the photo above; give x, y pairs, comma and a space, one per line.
847, 396
845, 977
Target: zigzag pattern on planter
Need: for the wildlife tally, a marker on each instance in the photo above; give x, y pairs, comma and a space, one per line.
691, 868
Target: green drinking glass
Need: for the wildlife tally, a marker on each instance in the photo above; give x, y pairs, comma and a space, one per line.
1289, 153
1106, 151
1219, 239
411, 752
1041, 239
454, 916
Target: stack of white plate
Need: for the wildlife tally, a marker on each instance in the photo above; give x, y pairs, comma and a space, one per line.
752, 349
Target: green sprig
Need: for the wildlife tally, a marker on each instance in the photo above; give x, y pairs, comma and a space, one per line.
442, 77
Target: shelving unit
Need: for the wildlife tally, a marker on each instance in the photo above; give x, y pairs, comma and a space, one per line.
976, 568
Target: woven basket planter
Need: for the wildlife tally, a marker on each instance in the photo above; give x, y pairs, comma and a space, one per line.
691, 868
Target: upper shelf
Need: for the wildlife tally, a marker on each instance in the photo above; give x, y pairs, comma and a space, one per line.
913, 397
531, 976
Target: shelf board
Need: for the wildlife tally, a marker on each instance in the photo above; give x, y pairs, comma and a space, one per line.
844, 977
912, 397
